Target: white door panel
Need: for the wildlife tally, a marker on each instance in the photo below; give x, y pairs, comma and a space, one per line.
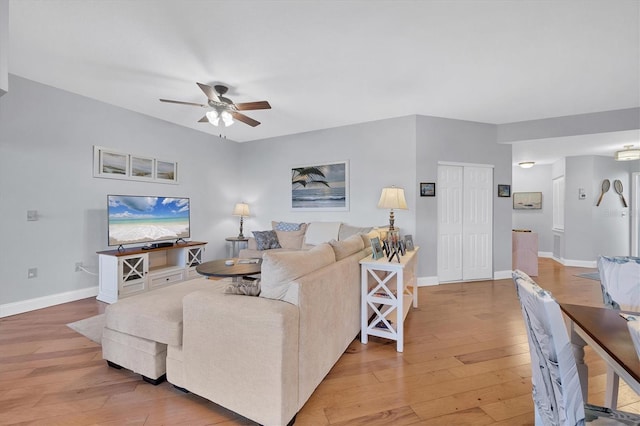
465, 223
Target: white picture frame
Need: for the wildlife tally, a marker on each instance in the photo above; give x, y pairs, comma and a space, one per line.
112, 164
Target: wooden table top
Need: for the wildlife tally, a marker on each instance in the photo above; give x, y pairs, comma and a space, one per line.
218, 268
609, 330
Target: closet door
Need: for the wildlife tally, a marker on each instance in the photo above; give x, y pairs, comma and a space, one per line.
449, 193
477, 224
465, 223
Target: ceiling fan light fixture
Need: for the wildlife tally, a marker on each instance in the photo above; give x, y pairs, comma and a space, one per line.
214, 118
526, 164
629, 153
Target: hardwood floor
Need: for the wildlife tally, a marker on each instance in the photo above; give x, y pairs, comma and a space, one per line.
466, 361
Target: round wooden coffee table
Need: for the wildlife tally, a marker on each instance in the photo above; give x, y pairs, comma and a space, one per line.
240, 268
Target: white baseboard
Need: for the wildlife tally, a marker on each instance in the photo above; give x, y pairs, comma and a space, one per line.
22, 306
502, 275
427, 281
547, 254
577, 263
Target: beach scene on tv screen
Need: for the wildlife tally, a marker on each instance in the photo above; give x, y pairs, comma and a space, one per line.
144, 219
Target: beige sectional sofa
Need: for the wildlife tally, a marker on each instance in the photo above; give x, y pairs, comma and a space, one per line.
261, 357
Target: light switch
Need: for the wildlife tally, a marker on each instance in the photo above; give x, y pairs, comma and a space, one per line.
32, 215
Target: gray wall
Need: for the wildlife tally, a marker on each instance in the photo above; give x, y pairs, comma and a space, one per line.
46, 164
535, 179
442, 139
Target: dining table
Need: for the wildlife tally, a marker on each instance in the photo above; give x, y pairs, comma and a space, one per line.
606, 332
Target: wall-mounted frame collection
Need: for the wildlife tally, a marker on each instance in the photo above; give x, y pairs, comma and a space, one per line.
111, 164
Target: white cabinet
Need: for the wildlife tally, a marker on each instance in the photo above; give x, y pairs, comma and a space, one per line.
388, 290
131, 271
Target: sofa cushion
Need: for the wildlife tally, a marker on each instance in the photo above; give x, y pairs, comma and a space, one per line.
291, 239
266, 240
321, 232
347, 247
280, 268
157, 315
346, 231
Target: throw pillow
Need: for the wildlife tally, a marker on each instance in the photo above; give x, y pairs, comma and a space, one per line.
280, 268
347, 247
266, 240
244, 288
291, 239
286, 226
346, 231
321, 232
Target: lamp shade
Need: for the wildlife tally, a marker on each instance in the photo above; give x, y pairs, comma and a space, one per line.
392, 198
241, 209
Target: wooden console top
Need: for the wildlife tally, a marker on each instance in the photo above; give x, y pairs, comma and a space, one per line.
138, 250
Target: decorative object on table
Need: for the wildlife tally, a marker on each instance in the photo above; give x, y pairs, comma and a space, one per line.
527, 200
402, 247
408, 242
392, 198
323, 187
605, 187
617, 186
394, 251
427, 189
242, 210
504, 191
376, 247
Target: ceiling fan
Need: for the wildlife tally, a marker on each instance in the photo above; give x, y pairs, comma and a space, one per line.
223, 109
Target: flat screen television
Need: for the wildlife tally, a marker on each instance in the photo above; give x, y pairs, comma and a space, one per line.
136, 219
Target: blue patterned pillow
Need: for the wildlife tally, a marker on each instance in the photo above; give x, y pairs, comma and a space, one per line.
266, 240
286, 226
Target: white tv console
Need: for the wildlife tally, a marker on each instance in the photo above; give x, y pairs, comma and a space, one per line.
130, 271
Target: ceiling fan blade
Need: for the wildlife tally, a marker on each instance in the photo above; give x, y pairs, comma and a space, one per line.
203, 120
184, 103
208, 90
247, 120
246, 106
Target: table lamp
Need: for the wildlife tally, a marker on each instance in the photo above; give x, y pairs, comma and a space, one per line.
392, 198
242, 210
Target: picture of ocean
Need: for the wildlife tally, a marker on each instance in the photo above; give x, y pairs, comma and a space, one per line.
318, 197
319, 187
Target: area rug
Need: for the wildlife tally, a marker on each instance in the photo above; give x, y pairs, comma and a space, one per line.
590, 275
91, 328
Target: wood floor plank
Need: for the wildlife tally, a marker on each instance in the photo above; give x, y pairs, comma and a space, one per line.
465, 361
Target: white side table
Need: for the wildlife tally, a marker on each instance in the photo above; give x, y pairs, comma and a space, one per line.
387, 298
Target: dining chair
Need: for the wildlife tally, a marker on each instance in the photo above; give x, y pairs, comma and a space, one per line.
620, 282
620, 285
557, 394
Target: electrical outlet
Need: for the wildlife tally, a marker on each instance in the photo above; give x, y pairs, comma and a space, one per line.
32, 273
78, 266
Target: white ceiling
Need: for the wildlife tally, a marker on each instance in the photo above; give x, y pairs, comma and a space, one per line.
330, 63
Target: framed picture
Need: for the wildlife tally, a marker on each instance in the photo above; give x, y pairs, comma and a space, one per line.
427, 189
504, 190
141, 168
320, 187
376, 247
167, 171
527, 200
111, 164
408, 242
